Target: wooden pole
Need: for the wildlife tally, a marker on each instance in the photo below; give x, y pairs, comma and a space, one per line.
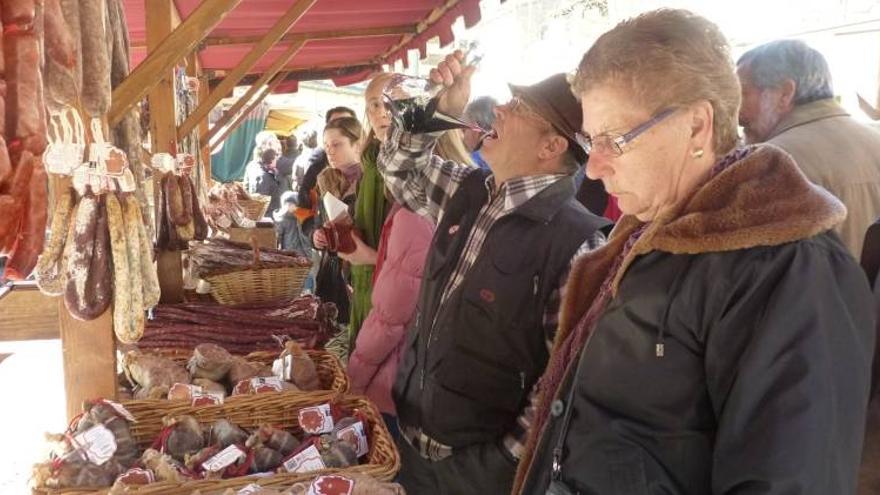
231, 80
88, 347
163, 130
243, 115
267, 76
318, 35
173, 47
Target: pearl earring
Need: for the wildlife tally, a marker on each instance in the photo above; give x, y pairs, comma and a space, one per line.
698, 153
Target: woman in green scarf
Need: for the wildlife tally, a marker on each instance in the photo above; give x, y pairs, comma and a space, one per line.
370, 209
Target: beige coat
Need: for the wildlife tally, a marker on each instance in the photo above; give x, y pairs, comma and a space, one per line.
839, 154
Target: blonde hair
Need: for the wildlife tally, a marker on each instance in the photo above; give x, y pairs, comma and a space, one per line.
451, 146
667, 58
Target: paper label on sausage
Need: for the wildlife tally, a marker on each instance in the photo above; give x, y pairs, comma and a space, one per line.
260, 384
306, 461
356, 436
206, 399
316, 419
331, 484
121, 410
250, 489
98, 444
283, 367
223, 459
137, 476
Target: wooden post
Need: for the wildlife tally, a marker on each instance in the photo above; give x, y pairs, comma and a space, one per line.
89, 350
160, 20
244, 113
172, 47
231, 80
267, 76
88, 347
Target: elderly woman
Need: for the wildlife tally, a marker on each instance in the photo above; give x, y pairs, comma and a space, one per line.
721, 342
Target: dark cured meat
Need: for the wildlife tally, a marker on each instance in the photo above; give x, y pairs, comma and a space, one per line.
89, 281
70, 11
58, 41
13, 201
33, 226
201, 225
25, 116
174, 201
18, 12
60, 68
95, 58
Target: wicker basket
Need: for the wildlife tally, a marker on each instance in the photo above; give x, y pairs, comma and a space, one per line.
382, 461
330, 370
258, 283
255, 208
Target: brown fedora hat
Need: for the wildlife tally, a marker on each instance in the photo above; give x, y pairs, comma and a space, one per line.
552, 99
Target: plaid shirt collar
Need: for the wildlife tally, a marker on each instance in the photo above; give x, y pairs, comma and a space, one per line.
519, 190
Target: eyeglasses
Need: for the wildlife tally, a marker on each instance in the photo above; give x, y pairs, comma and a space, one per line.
615, 144
519, 106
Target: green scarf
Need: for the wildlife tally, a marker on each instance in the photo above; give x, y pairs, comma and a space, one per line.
370, 209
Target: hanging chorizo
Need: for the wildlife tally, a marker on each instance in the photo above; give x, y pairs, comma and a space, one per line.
33, 225
49, 271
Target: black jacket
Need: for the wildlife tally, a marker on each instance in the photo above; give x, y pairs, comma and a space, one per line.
767, 328
472, 360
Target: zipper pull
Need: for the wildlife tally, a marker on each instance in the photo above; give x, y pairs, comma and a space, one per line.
422, 379
535, 285
522, 380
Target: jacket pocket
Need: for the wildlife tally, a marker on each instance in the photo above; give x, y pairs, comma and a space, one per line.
475, 395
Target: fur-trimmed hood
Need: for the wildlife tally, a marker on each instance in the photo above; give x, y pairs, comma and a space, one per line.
761, 200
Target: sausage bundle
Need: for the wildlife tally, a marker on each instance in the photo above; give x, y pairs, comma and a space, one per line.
181, 218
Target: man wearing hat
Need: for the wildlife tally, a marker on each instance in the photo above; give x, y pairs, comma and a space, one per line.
504, 242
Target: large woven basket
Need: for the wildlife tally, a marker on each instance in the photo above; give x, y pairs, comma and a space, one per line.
258, 283
255, 208
281, 410
330, 371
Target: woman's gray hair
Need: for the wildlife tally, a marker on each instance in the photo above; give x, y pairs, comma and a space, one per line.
772, 63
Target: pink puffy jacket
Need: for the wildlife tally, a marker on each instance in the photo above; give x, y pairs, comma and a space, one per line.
403, 247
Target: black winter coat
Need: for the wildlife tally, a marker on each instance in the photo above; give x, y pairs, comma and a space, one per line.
766, 325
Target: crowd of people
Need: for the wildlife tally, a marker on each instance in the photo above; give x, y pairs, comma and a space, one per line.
611, 291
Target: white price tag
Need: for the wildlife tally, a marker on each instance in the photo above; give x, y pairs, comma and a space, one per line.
260, 384
356, 436
283, 367
316, 419
305, 462
121, 410
98, 443
250, 489
223, 459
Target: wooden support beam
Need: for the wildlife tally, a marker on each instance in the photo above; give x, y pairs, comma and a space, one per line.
323, 71
172, 49
267, 76
338, 34
424, 24
269, 40
163, 131
242, 116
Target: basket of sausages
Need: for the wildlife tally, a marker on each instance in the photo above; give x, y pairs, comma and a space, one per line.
240, 273
168, 447
210, 373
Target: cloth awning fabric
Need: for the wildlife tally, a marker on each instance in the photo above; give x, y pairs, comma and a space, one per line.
253, 18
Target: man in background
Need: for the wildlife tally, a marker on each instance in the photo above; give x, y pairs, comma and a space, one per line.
480, 111
788, 101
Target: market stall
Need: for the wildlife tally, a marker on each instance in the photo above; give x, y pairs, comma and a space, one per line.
105, 147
